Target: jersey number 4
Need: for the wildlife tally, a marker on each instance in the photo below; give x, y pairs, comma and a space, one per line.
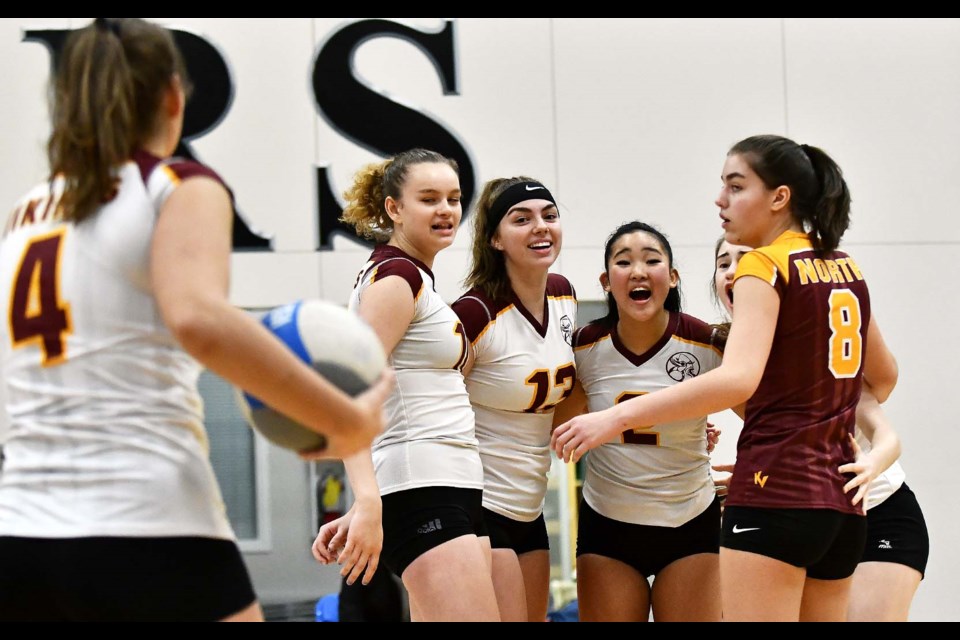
37, 313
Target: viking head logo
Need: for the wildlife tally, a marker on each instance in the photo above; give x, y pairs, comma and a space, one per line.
566, 327
681, 366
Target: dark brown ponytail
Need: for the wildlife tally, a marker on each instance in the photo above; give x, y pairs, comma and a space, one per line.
108, 93
820, 199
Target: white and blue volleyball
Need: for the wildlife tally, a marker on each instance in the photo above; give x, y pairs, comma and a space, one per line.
337, 343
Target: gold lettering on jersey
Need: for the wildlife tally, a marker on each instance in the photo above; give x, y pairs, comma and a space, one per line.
806, 271
835, 274
33, 211
822, 270
853, 265
840, 271
760, 479
847, 273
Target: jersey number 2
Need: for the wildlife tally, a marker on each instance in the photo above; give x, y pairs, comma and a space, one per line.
638, 435
37, 313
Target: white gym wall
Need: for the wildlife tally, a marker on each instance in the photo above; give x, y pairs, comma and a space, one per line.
623, 119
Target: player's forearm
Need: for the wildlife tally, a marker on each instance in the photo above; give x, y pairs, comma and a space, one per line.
711, 392
872, 421
363, 478
212, 330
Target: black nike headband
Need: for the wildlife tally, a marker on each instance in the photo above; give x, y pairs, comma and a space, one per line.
511, 197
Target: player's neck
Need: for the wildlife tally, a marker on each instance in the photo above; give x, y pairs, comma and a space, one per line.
158, 146
530, 287
639, 337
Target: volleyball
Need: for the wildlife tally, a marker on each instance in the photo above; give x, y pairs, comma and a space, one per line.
337, 343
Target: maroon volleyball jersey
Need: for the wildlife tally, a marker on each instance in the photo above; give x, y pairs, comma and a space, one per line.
795, 430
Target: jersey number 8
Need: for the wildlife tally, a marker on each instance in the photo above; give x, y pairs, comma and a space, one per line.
846, 341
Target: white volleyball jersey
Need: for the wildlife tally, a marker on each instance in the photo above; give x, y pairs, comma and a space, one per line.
522, 371
429, 440
657, 475
884, 485
106, 424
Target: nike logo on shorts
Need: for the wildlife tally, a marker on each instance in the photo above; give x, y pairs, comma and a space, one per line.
737, 529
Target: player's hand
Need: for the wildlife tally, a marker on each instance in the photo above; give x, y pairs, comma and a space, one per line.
331, 538
713, 437
722, 483
865, 470
361, 553
574, 438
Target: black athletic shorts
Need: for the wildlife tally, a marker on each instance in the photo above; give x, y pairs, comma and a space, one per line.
522, 537
647, 549
122, 579
418, 520
827, 543
897, 532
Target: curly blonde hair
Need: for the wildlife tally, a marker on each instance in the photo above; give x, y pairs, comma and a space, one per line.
366, 199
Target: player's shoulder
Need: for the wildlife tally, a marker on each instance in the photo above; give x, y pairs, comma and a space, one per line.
591, 334
559, 287
175, 169
693, 329
387, 261
477, 311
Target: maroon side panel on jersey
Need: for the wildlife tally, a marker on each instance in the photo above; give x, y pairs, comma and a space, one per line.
795, 435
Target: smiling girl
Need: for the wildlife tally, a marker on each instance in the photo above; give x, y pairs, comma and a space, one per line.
803, 345
649, 506
519, 319
424, 482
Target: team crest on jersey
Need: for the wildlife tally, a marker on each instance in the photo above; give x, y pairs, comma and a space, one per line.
683, 365
566, 327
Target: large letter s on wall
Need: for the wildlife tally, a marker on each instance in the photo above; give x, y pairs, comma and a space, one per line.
375, 122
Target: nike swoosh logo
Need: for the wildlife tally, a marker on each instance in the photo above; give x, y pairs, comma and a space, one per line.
737, 529
529, 188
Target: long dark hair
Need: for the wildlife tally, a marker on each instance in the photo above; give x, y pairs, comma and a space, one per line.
107, 96
820, 199
488, 267
674, 298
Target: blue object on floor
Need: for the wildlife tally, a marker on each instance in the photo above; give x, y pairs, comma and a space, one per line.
328, 608
569, 613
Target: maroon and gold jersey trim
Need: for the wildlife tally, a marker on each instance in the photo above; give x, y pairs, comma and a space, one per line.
680, 327
478, 312
393, 261
798, 421
177, 169
772, 264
